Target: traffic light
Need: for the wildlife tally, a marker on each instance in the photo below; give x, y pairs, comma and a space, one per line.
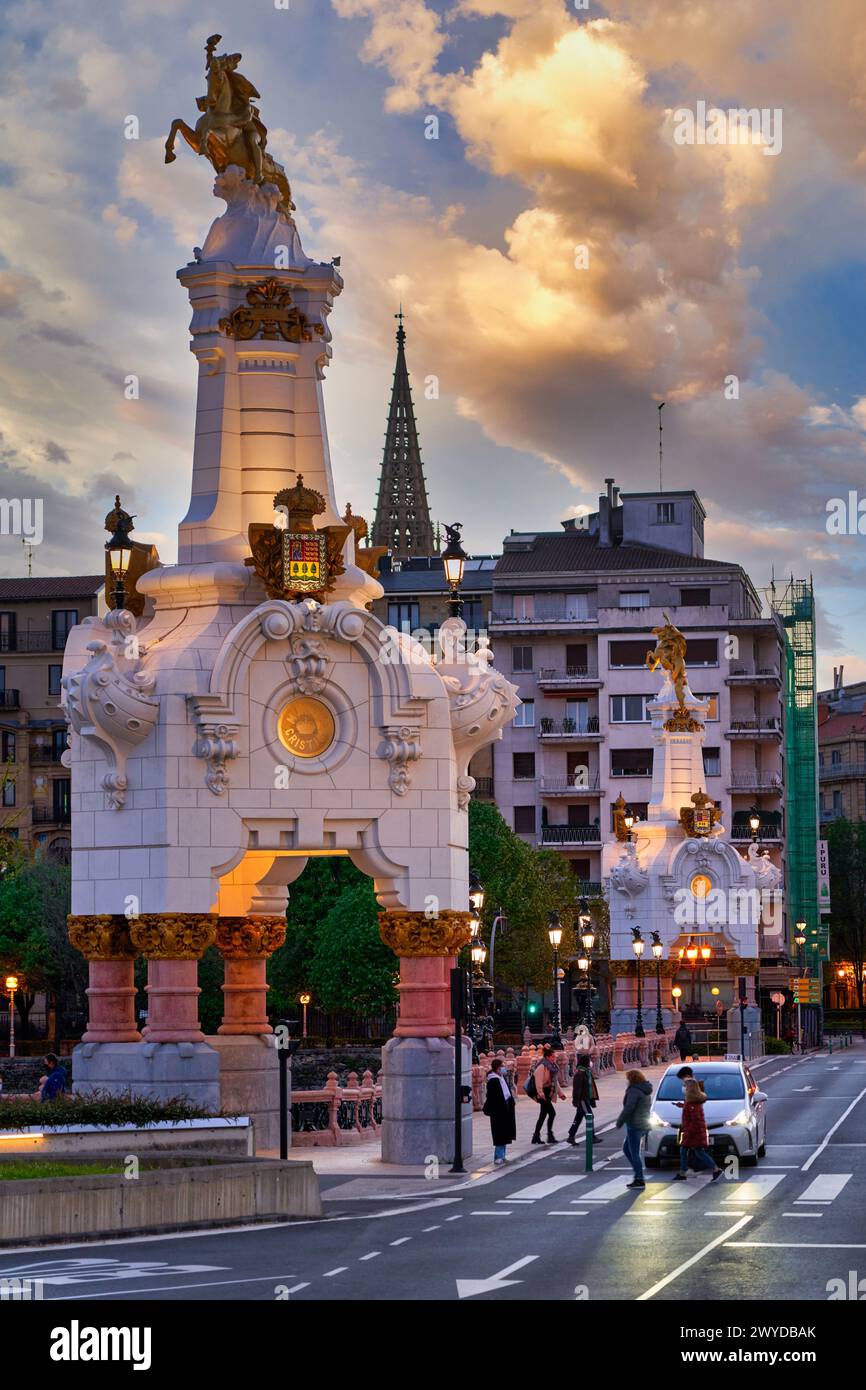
532, 1008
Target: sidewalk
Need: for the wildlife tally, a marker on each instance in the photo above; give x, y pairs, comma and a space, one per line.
363, 1160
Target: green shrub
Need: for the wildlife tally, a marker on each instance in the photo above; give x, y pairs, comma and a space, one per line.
96, 1110
776, 1045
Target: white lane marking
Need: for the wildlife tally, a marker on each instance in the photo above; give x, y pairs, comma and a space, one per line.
296, 1288
826, 1188
754, 1189
829, 1135
680, 1191
723, 1239
100, 1270
372, 1255
467, 1288
169, 1288
545, 1188
515, 1201
786, 1166
490, 1213
803, 1213
403, 1239
429, 1228
458, 1217
568, 1213
793, 1245
616, 1187
341, 1269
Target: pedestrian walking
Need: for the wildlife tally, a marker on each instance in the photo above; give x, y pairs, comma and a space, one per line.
683, 1042
584, 1095
694, 1140
499, 1109
635, 1115
546, 1076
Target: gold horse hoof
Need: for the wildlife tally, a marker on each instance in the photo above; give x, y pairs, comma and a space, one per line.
170, 157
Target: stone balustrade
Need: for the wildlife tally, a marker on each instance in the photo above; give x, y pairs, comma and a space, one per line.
336, 1115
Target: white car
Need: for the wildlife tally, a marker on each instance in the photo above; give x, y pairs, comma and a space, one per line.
734, 1113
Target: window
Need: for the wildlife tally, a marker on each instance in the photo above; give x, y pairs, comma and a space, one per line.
629, 709
8, 625
9, 792
521, 658
403, 616
525, 716
718, 1085
629, 653
2, 680
60, 794
695, 598
63, 620
8, 748
631, 762
634, 598
702, 651
639, 810
59, 743
473, 614
579, 814
836, 757
713, 707
666, 513
712, 762
837, 803
524, 820
576, 658
524, 607
54, 676
524, 766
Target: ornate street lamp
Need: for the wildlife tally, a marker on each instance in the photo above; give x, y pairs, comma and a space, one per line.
628, 821
476, 892
554, 934
800, 940
11, 986
454, 559
755, 823
637, 946
658, 951
119, 549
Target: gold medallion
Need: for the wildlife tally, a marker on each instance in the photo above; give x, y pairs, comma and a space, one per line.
306, 727
701, 885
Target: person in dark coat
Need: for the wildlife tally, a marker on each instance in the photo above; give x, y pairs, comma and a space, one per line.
683, 1041
584, 1095
499, 1108
694, 1138
635, 1115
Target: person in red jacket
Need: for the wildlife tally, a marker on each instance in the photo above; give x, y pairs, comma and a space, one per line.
694, 1138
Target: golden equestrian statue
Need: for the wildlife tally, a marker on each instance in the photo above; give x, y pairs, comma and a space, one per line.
231, 131
670, 654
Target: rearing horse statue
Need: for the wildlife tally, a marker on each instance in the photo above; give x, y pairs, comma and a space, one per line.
670, 654
230, 130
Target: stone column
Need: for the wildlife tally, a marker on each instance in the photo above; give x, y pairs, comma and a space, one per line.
418, 1062
105, 943
173, 943
245, 943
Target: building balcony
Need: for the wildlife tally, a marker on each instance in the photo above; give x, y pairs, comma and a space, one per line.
559, 730
645, 619
765, 728
483, 788
43, 756
34, 640
840, 772
755, 781
589, 888
567, 786
571, 678
10, 699
561, 836
563, 620
50, 815
767, 676
770, 831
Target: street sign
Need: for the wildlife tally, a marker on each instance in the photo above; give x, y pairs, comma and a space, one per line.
823, 877
777, 998
807, 990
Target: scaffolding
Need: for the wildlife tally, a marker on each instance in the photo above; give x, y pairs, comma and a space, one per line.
796, 614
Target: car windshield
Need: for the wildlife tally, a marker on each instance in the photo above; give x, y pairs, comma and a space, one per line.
719, 1085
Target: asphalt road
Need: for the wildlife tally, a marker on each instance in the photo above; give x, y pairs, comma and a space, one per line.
542, 1228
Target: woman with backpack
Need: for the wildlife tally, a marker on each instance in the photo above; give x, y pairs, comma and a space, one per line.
499, 1109
543, 1085
584, 1095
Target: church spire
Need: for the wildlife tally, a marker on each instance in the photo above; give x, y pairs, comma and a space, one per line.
402, 521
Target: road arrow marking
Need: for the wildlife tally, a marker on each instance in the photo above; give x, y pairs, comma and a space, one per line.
804, 1088
468, 1288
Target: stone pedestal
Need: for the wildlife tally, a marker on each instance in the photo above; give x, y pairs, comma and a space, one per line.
418, 1100
161, 1071
752, 1021
250, 1083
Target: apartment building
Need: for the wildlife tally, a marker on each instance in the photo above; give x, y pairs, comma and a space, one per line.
575, 608
842, 751
36, 616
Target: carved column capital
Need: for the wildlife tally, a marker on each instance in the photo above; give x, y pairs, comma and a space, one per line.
416, 934
173, 935
102, 936
249, 938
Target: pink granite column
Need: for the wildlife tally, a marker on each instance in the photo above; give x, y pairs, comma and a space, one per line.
245, 943
427, 948
105, 942
173, 943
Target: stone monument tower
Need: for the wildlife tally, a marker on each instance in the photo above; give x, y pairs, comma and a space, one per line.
262, 713
678, 875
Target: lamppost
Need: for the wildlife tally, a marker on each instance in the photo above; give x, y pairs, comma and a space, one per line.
800, 941
11, 986
755, 823
628, 821
657, 949
554, 933
480, 989
454, 559
637, 946
587, 941
304, 1000
119, 549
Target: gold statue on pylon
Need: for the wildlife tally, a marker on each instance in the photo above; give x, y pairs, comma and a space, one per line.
670, 654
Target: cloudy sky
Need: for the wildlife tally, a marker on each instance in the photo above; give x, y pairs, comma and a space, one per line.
555, 132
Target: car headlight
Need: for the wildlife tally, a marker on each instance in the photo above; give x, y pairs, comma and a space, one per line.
741, 1119
656, 1121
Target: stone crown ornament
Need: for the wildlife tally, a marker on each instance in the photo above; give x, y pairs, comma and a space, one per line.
297, 560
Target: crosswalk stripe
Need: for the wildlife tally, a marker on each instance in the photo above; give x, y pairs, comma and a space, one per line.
825, 1188
545, 1188
753, 1189
616, 1187
680, 1191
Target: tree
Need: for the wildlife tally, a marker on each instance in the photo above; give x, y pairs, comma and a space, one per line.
846, 846
352, 969
34, 903
311, 898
